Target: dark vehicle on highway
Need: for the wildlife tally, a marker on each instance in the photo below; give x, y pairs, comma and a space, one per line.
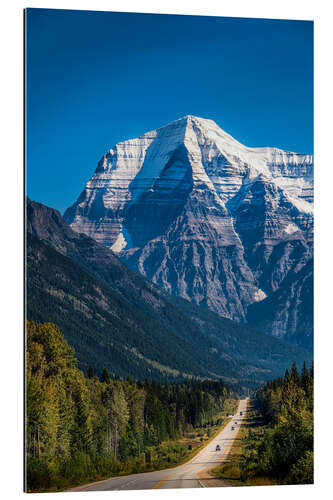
241, 413
232, 428
217, 448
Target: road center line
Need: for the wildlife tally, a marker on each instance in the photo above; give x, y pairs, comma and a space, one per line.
158, 485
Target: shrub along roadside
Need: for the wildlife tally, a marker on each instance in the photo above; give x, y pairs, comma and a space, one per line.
233, 470
275, 443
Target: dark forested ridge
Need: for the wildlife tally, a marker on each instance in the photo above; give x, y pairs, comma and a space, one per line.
116, 319
103, 327
80, 428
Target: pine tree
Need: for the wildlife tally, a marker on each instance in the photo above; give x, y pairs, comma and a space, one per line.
105, 378
76, 423
294, 373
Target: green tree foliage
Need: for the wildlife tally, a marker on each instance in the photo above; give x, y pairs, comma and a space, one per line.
286, 450
105, 377
81, 428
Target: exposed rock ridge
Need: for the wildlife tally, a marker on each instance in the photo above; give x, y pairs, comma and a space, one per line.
202, 215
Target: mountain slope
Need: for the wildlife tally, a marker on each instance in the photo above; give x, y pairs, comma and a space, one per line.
290, 309
115, 318
203, 216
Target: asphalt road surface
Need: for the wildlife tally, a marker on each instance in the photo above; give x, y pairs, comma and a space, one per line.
193, 474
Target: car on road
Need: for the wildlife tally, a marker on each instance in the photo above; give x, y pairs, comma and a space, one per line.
217, 448
232, 428
240, 413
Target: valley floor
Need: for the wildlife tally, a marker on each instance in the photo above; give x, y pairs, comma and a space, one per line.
231, 470
193, 474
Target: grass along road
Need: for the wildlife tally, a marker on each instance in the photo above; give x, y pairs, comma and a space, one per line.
192, 474
231, 471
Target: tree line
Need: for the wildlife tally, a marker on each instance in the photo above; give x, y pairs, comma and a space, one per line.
80, 427
284, 450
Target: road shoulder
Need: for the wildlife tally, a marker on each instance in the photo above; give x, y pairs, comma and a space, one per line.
207, 477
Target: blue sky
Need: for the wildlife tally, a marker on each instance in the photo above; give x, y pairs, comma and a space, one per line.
94, 79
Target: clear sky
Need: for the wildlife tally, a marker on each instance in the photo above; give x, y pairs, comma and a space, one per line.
97, 78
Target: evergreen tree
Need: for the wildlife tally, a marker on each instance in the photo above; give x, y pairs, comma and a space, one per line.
90, 372
294, 373
105, 378
286, 450
79, 427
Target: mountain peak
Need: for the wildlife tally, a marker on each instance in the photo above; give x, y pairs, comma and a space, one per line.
189, 118
191, 208
195, 119
179, 127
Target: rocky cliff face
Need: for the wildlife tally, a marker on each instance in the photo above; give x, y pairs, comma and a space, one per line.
117, 319
204, 216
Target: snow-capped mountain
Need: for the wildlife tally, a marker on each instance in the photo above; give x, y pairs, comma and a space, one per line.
205, 217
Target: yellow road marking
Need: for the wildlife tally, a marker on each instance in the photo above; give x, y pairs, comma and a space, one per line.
224, 456
158, 485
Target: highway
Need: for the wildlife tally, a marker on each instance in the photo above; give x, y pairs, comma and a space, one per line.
192, 474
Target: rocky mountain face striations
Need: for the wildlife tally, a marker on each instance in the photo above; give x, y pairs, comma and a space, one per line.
210, 220
116, 319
